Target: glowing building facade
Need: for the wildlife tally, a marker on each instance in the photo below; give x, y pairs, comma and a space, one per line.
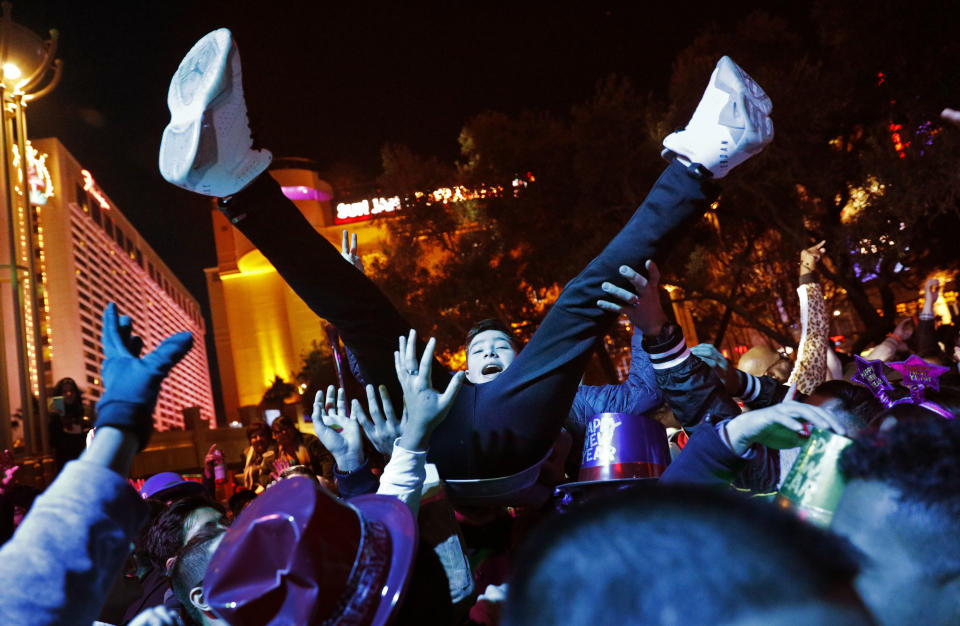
261, 327
87, 255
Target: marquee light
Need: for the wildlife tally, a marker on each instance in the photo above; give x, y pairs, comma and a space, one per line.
40, 182
91, 187
365, 209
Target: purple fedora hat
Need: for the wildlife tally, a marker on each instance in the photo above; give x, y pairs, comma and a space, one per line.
170, 486
621, 445
298, 555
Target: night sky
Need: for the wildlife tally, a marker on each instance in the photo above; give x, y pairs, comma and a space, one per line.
334, 82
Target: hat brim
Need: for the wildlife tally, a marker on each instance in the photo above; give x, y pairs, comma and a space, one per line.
619, 482
180, 490
397, 517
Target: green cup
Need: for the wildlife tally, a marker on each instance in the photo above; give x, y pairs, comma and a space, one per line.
814, 485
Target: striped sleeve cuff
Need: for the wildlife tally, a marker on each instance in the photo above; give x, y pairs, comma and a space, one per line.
749, 385
669, 354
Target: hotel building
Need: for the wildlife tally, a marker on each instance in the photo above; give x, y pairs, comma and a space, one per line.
261, 328
86, 255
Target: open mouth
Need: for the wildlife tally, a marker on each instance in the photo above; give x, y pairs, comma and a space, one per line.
492, 368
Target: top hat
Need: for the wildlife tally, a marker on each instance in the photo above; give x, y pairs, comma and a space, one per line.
621, 445
298, 555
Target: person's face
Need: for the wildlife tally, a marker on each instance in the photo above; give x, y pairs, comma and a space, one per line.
200, 518
284, 434
894, 582
259, 442
488, 355
780, 370
197, 598
69, 393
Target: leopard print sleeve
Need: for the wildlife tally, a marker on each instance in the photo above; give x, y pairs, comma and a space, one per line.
811, 367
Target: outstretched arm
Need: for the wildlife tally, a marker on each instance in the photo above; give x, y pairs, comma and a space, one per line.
811, 367
926, 328
404, 475
62, 561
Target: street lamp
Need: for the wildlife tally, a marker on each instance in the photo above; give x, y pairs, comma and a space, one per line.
28, 71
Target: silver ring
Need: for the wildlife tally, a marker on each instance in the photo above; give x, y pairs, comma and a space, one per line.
413, 372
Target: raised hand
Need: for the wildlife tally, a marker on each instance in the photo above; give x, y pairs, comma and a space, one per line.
643, 308
339, 433
382, 427
951, 116
278, 467
904, 329
209, 461
811, 256
8, 468
780, 426
425, 406
349, 251
136, 483
931, 289
132, 383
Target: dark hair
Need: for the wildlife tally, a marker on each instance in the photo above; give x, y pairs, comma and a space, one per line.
856, 401
239, 500
190, 566
919, 461
165, 537
632, 555
155, 509
947, 397
918, 457
285, 420
259, 427
492, 324
75, 409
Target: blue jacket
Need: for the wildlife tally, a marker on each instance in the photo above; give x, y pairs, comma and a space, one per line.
706, 460
61, 563
636, 395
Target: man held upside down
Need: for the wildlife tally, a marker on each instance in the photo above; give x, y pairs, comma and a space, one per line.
513, 404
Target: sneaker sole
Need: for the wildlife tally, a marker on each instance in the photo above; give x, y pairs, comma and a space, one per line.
199, 80
728, 75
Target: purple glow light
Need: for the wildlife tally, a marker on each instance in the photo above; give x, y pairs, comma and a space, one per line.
301, 192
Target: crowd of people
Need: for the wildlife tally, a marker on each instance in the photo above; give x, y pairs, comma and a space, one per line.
460, 497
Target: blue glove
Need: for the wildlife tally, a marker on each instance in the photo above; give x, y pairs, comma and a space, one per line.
131, 383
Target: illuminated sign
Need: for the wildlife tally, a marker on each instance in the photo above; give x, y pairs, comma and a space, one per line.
91, 187
39, 180
362, 210
365, 209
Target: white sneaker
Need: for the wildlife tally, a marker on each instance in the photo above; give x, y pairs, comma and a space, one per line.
206, 147
730, 125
